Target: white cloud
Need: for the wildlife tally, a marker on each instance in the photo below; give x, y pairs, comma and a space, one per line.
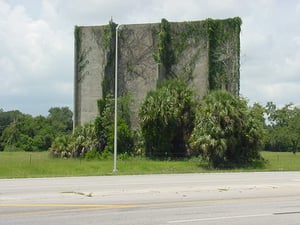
36, 44
270, 53
34, 57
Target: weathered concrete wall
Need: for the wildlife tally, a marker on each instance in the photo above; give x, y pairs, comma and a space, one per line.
206, 55
225, 55
90, 60
138, 70
191, 52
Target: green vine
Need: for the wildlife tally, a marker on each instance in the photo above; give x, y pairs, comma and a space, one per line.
173, 41
223, 38
104, 123
109, 43
77, 38
81, 61
224, 49
187, 34
165, 54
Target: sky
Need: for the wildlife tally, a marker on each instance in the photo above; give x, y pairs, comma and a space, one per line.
37, 45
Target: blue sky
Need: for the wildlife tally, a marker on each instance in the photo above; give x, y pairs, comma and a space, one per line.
36, 44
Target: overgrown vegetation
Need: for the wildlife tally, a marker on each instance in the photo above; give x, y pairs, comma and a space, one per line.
224, 51
227, 132
22, 132
104, 125
282, 128
96, 139
39, 164
109, 43
166, 119
80, 57
220, 130
165, 55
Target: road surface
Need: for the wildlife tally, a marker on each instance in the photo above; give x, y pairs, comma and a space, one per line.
217, 198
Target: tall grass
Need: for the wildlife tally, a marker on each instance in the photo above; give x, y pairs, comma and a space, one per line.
40, 164
282, 161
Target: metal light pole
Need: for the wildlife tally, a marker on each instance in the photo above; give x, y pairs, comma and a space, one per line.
116, 102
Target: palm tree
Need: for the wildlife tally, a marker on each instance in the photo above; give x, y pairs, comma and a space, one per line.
226, 130
166, 116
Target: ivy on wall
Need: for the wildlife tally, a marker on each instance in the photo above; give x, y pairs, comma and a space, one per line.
81, 53
224, 49
188, 35
185, 32
165, 54
104, 122
176, 49
109, 43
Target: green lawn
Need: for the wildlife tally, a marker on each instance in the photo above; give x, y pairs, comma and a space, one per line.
39, 164
282, 161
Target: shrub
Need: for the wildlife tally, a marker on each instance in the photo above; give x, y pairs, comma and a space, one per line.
227, 131
166, 119
104, 125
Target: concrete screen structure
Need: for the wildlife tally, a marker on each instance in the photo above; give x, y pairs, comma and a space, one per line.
203, 53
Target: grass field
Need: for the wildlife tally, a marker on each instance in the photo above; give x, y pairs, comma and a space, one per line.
282, 161
39, 164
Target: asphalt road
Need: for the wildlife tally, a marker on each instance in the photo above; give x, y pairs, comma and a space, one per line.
222, 198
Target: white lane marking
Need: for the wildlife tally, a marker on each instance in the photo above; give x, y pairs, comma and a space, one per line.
220, 218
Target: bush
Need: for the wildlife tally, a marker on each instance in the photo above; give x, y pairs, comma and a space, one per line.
104, 125
166, 119
227, 131
93, 154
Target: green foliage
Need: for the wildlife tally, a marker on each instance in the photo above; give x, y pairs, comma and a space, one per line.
61, 143
187, 35
6, 118
78, 144
224, 45
80, 56
283, 128
227, 132
109, 34
224, 49
77, 36
62, 118
93, 154
39, 164
166, 118
21, 132
104, 125
124, 135
165, 55
109, 41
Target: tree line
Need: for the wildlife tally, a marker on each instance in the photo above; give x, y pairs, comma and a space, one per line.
221, 128
23, 132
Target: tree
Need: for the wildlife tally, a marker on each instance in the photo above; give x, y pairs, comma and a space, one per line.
283, 128
61, 118
104, 125
11, 135
227, 131
166, 119
24, 132
6, 118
